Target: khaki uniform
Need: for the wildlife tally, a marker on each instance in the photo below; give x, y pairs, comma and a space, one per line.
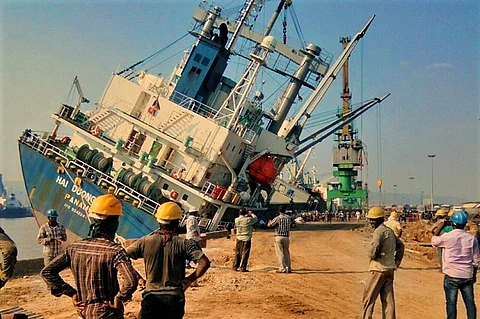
386, 253
8, 257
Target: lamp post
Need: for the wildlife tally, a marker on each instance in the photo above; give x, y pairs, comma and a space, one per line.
395, 193
421, 197
432, 156
411, 194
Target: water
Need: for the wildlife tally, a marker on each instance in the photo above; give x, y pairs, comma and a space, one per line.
24, 232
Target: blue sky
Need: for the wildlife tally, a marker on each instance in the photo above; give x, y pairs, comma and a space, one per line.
426, 53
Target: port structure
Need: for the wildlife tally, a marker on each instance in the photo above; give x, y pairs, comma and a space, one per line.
347, 193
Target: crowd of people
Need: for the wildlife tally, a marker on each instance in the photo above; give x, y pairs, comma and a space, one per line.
97, 261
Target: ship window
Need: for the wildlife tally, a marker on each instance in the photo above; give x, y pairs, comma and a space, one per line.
224, 175
195, 70
240, 151
197, 57
184, 197
228, 145
135, 142
165, 186
205, 61
233, 149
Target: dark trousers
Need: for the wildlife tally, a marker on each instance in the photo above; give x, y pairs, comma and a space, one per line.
452, 286
242, 252
157, 305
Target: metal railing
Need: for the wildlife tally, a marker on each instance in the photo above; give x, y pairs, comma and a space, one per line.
197, 107
47, 149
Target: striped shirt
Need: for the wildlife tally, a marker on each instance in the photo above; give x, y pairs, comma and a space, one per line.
282, 225
95, 263
48, 235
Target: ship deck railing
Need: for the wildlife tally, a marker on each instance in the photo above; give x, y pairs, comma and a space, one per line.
44, 146
199, 107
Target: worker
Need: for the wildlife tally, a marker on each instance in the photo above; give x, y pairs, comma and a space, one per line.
244, 226
95, 263
8, 257
51, 235
193, 231
394, 224
282, 225
386, 254
444, 225
164, 255
461, 256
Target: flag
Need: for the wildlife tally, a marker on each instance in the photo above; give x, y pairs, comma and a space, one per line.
155, 107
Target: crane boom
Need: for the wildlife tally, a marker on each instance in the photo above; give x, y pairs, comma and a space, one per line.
314, 99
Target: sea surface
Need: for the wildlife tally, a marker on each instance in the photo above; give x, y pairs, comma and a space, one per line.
24, 232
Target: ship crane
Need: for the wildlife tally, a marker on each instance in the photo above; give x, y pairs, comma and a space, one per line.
292, 128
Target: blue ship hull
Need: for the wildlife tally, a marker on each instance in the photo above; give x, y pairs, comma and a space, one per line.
19, 212
49, 189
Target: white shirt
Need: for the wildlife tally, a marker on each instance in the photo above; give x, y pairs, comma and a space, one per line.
193, 231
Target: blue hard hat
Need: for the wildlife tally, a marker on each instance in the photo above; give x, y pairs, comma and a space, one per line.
52, 213
459, 217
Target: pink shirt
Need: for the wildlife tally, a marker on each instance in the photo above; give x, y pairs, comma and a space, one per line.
460, 253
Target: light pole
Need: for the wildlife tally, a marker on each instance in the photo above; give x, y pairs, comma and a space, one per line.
432, 156
411, 194
421, 197
395, 193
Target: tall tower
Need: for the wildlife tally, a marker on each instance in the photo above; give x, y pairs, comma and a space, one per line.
348, 192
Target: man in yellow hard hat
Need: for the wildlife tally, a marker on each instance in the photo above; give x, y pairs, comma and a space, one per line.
441, 226
394, 224
165, 254
386, 253
95, 263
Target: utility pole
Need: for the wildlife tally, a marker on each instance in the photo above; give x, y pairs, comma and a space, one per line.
411, 194
432, 156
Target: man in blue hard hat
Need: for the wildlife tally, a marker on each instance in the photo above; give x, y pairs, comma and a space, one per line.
51, 235
460, 260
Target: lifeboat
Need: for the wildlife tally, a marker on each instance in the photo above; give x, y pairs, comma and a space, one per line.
263, 170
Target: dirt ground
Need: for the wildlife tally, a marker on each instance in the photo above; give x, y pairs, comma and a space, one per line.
329, 272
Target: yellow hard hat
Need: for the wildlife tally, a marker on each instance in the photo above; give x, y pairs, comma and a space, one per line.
167, 212
394, 214
375, 212
450, 212
104, 206
441, 212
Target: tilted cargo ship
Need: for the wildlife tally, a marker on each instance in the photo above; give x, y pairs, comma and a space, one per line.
197, 137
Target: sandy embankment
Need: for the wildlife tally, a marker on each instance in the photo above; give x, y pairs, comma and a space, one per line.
329, 275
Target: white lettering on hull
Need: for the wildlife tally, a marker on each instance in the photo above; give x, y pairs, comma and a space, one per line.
77, 200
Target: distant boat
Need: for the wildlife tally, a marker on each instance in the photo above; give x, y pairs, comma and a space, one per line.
12, 208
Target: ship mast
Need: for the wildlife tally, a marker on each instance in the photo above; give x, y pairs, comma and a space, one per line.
314, 99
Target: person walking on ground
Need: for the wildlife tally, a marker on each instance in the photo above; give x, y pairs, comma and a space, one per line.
460, 260
394, 224
442, 225
8, 257
386, 254
164, 255
95, 263
51, 235
282, 240
244, 225
357, 215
